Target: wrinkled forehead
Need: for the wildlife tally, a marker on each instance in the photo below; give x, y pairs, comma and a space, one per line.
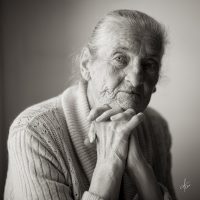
120, 34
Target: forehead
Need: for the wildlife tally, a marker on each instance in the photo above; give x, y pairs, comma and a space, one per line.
120, 35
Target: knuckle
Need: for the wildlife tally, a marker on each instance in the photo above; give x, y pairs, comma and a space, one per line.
126, 116
93, 111
130, 111
119, 130
121, 115
99, 110
112, 126
107, 113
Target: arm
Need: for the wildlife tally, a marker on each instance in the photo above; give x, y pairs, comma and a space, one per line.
34, 171
163, 168
106, 180
169, 184
161, 171
168, 178
141, 172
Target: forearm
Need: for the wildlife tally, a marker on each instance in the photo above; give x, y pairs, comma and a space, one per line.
143, 176
106, 180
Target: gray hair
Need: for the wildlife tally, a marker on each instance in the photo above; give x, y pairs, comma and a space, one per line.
142, 24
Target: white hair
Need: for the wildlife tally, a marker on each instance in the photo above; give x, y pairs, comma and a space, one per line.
141, 24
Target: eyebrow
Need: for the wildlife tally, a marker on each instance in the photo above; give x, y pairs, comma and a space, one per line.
152, 55
121, 48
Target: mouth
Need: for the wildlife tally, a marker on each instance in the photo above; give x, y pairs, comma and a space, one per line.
130, 96
131, 92
129, 99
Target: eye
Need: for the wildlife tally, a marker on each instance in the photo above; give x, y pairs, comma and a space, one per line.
120, 60
150, 66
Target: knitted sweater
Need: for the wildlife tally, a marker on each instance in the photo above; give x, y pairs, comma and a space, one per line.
48, 158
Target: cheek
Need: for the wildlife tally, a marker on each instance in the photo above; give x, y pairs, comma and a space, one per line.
116, 74
148, 91
106, 77
151, 80
114, 78
97, 73
149, 85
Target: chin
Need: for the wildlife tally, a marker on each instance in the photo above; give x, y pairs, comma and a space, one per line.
126, 105
127, 101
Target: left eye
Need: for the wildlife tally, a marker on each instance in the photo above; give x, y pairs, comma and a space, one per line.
150, 67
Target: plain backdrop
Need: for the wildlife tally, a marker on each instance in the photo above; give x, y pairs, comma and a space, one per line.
39, 44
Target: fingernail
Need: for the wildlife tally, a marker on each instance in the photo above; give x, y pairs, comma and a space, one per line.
92, 139
86, 142
140, 116
112, 118
98, 119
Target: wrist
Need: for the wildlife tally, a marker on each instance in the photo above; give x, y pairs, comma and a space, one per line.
106, 179
109, 168
135, 164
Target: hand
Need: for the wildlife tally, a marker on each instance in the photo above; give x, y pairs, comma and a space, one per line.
134, 153
112, 127
141, 173
112, 137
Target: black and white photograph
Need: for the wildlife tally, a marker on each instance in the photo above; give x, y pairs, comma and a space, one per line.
99, 100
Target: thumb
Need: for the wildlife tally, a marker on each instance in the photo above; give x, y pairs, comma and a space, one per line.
133, 123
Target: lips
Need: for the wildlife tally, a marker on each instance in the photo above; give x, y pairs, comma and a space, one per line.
130, 92
132, 96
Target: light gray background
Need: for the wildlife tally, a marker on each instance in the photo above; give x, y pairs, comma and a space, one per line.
40, 38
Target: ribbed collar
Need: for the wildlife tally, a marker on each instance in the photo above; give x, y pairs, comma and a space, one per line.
76, 109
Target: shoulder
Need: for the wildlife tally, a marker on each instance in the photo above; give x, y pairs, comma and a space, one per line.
38, 117
154, 116
159, 126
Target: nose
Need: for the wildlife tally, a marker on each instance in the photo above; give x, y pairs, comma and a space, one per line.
134, 73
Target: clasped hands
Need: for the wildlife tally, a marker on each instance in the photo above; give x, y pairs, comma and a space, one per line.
112, 129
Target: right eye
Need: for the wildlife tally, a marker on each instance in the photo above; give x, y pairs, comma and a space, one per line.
121, 60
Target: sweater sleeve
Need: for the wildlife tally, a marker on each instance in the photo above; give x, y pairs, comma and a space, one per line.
166, 182
162, 158
34, 171
169, 180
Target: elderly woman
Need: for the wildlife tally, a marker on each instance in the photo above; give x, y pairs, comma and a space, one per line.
98, 140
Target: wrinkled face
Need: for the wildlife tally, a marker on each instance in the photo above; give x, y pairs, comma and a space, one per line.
125, 69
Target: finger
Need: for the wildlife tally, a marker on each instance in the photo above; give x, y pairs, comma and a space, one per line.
126, 115
130, 111
95, 112
107, 114
92, 133
134, 122
87, 142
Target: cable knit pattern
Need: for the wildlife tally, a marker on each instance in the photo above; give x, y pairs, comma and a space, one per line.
48, 158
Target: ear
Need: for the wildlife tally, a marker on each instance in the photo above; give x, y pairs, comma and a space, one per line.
84, 63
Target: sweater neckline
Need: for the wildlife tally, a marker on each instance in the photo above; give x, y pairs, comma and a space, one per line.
76, 109
76, 106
